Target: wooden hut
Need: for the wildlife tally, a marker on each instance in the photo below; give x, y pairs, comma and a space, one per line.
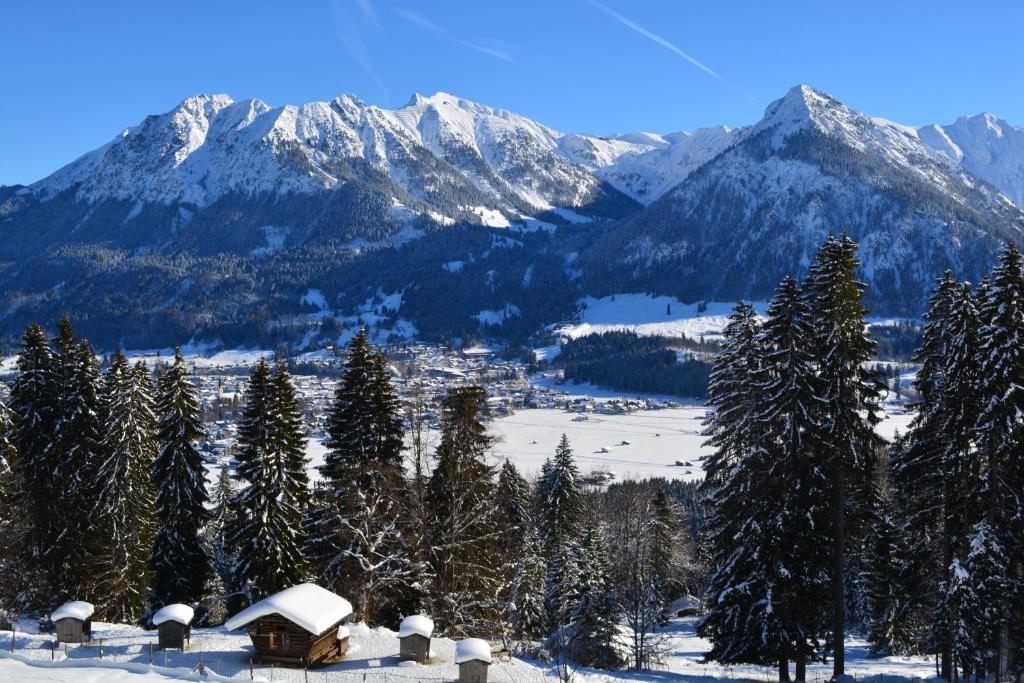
473, 656
174, 626
301, 625
414, 638
73, 621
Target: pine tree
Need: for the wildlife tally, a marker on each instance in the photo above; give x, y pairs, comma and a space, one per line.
268, 536
358, 535
887, 584
999, 433
513, 510
664, 542
563, 590
850, 404
740, 624
461, 529
595, 634
124, 505
979, 591
561, 504
790, 425
32, 403
933, 465
179, 561
528, 590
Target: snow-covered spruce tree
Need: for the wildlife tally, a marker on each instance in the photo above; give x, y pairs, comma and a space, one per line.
594, 640
290, 436
740, 622
357, 541
32, 403
268, 537
887, 583
979, 588
795, 485
731, 394
664, 546
513, 516
179, 562
10, 520
512, 519
561, 499
931, 466
123, 511
213, 607
529, 616
562, 591
461, 530
850, 398
999, 434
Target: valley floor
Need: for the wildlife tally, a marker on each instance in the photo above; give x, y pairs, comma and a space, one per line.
225, 656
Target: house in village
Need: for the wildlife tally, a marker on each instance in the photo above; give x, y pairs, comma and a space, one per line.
414, 638
301, 625
473, 656
73, 621
174, 626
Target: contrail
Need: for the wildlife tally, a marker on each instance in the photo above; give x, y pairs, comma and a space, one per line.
655, 38
414, 17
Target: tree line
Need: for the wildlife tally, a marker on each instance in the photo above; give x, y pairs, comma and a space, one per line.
816, 524
105, 499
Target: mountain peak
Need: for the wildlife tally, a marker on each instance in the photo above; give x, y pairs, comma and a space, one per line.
205, 103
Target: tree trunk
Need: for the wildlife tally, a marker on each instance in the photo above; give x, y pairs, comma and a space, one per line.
838, 567
801, 662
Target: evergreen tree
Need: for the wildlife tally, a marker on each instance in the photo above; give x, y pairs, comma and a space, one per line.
124, 506
978, 593
32, 403
664, 541
850, 399
461, 529
595, 634
513, 510
358, 537
528, 590
887, 585
267, 539
932, 467
179, 562
561, 504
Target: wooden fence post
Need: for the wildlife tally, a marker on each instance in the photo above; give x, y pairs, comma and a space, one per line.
250, 669
151, 654
13, 631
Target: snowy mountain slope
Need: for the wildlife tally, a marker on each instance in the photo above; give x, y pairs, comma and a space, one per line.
643, 165
215, 219
985, 145
758, 210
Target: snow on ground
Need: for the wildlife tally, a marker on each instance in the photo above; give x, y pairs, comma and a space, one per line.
373, 658
657, 439
652, 315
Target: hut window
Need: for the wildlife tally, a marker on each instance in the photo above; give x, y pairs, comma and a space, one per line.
277, 639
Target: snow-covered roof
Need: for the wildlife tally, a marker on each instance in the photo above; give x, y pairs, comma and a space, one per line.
177, 612
344, 632
76, 609
472, 648
417, 624
313, 608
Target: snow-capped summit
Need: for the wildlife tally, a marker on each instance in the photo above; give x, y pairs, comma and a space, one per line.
987, 146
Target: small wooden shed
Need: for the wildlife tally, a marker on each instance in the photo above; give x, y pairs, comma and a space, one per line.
73, 621
414, 638
174, 626
301, 625
473, 656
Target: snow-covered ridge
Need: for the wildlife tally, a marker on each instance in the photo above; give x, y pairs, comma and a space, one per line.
210, 145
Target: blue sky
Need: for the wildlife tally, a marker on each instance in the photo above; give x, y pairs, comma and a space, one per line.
75, 73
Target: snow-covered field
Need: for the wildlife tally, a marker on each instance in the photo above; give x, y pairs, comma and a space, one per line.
657, 439
652, 315
373, 657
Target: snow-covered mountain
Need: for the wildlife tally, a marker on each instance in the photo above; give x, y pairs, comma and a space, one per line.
985, 145
759, 209
218, 218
